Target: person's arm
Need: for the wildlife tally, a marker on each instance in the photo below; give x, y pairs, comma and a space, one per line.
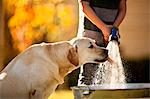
91, 15
121, 14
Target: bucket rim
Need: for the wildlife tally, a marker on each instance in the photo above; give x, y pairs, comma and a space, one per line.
129, 86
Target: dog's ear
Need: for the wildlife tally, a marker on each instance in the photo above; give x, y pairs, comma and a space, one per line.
73, 56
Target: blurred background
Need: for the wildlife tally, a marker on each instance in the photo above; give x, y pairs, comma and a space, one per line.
26, 22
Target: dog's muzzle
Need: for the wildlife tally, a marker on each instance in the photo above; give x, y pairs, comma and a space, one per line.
105, 56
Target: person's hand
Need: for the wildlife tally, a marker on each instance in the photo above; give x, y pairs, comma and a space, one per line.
106, 32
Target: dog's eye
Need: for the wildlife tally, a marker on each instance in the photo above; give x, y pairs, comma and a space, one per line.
91, 46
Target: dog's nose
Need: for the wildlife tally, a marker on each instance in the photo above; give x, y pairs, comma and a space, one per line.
106, 51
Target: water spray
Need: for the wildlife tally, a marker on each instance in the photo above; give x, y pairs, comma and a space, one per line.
114, 36
111, 71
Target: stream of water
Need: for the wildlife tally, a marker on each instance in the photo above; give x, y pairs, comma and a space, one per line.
111, 72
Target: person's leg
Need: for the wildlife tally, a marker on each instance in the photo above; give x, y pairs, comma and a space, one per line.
97, 36
87, 71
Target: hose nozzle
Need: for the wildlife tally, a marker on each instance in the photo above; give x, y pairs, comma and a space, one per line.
114, 35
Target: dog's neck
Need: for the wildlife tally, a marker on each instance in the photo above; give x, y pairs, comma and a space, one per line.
66, 70
60, 58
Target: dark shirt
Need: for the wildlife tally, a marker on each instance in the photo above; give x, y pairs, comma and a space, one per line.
106, 10
111, 4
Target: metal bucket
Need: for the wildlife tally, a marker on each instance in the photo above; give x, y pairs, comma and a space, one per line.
115, 91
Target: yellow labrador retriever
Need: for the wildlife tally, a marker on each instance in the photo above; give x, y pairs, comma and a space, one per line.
35, 73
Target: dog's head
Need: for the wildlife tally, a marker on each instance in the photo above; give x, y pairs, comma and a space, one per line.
85, 50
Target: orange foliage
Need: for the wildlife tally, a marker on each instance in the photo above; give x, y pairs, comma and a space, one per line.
39, 20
